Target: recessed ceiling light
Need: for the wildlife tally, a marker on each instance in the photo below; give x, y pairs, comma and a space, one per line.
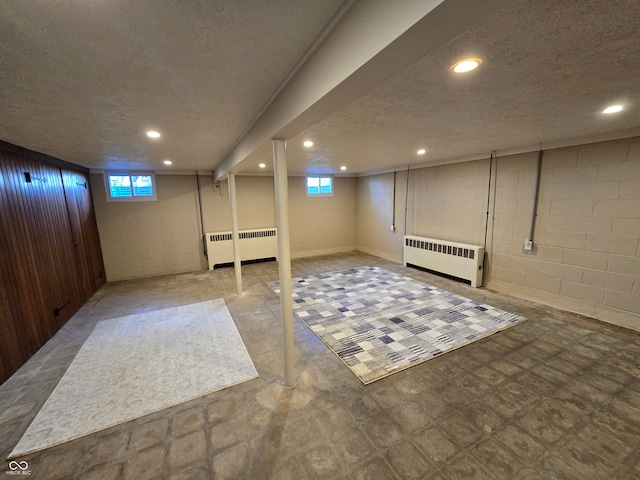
153, 134
262, 165
613, 109
466, 65
167, 162
343, 167
422, 151
308, 143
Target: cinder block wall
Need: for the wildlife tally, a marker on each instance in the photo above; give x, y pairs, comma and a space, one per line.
322, 225
375, 215
449, 202
586, 254
141, 239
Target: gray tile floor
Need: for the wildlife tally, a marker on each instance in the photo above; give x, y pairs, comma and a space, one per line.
555, 397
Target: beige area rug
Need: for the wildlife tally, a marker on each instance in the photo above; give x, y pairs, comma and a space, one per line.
139, 364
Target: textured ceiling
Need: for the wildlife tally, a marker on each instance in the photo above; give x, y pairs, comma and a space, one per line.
549, 69
83, 81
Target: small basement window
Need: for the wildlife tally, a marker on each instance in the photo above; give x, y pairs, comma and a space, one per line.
130, 187
319, 186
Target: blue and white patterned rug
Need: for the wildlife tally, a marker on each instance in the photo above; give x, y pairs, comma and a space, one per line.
379, 322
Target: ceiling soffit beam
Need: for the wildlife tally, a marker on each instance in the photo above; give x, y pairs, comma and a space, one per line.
373, 40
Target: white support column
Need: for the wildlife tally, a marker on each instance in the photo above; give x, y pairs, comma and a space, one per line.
284, 258
237, 267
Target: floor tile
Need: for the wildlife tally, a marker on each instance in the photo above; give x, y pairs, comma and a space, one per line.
407, 460
466, 468
521, 444
557, 396
496, 460
437, 447
460, 430
374, 469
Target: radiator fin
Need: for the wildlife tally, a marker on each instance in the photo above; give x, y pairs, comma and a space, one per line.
219, 237
254, 244
440, 248
458, 260
258, 234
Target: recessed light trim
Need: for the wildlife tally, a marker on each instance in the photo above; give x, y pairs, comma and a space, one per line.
343, 168
262, 165
308, 143
167, 162
153, 134
613, 109
466, 65
422, 151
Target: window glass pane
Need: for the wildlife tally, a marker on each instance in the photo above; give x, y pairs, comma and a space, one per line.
120, 186
320, 186
313, 185
325, 185
142, 185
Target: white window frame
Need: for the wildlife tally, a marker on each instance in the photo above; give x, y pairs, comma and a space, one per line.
133, 197
319, 177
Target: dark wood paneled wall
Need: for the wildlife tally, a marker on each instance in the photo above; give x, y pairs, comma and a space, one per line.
50, 257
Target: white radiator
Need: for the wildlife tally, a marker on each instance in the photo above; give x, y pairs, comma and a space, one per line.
254, 245
454, 259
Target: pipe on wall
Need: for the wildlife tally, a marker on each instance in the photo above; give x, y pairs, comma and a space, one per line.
202, 235
485, 258
534, 212
406, 202
393, 205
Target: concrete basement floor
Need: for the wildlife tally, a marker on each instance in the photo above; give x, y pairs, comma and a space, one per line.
557, 396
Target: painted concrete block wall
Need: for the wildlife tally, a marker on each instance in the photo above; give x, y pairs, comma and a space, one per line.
586, 255
375, 214
318, 225
256, 204
142, 239
446, 202
449, 202
321, 225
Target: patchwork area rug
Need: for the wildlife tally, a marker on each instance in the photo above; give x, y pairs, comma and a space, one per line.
378, 322
139, 364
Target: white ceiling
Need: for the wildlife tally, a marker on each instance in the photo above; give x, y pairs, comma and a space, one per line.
83, 81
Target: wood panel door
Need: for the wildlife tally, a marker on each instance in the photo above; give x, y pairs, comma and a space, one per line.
40, 271
84, 231
15, 340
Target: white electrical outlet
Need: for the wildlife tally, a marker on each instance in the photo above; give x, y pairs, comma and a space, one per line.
528, 244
